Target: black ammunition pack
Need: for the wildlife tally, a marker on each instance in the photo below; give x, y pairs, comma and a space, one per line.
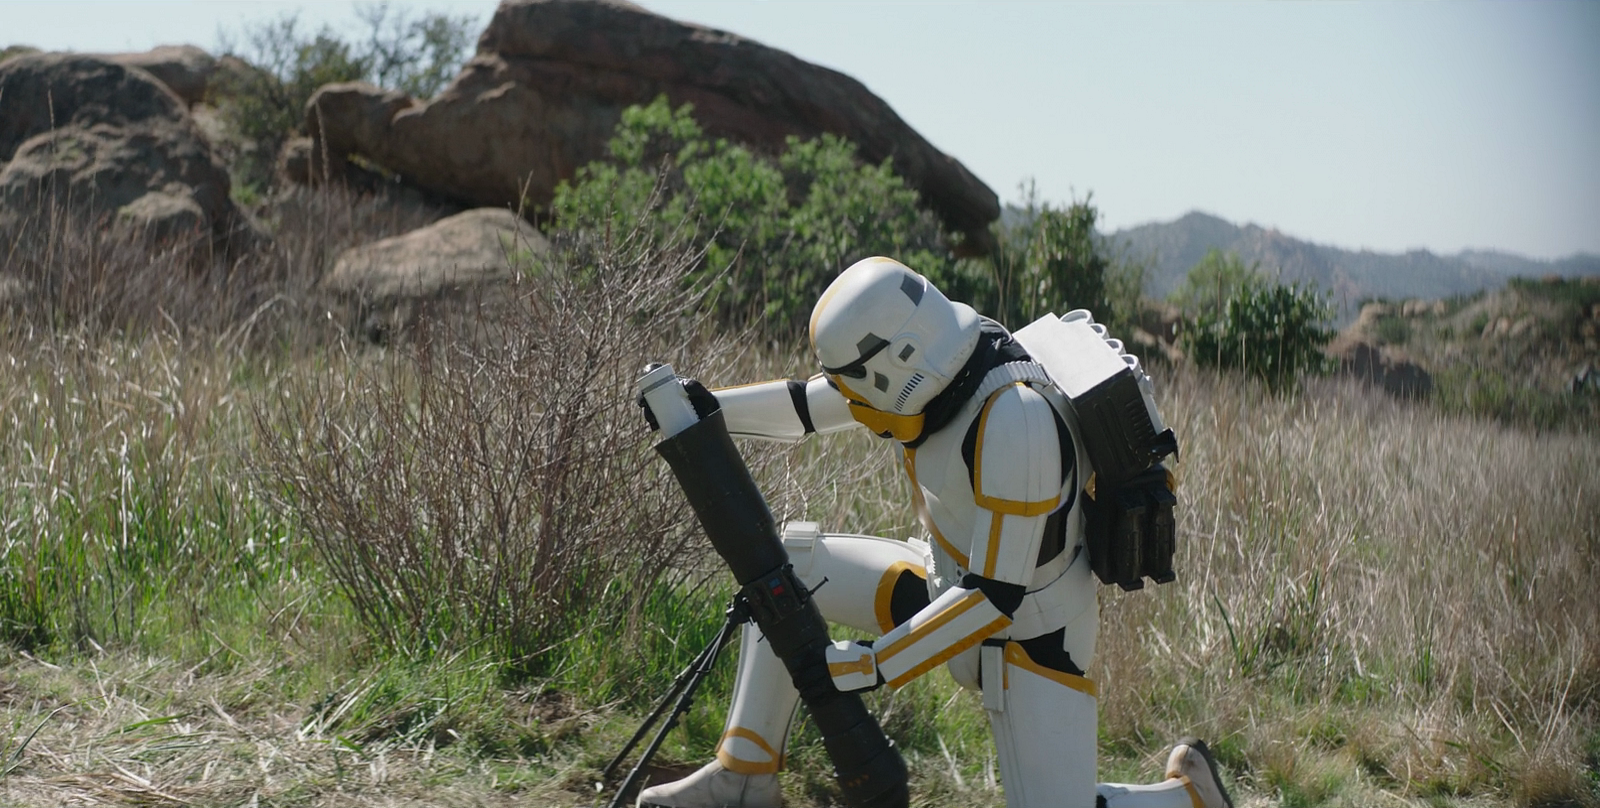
1129, 527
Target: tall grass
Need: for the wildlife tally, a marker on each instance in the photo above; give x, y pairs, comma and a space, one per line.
131, 513
1371, 593
340, 546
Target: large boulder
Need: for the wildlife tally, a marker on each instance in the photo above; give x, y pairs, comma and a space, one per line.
550, 81
96, 136
472, 249
185, 69
1381, 366
389, 284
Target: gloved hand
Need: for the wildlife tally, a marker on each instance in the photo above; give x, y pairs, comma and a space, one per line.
853, 666
700, 398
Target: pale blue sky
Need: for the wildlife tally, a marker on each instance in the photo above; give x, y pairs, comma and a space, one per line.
1380, 125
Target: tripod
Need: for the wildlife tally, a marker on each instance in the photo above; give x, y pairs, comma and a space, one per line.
683, 690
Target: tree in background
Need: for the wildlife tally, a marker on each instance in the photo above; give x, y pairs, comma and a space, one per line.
1267, 330
1219, 277
263, 102
1052, 259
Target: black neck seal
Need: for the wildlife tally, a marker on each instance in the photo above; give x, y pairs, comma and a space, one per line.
995, 348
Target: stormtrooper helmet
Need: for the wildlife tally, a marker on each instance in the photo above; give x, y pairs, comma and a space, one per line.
890, 341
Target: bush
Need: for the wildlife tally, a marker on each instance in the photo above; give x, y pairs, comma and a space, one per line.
1049, 261
1273, 332
1219, 277
1392, 330
1052, 259
489, 489
264, 104
775, 230
779, 229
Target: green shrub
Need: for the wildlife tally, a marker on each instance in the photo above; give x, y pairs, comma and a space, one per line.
1049, 260
1393, 330
775, 230
1273, 332
1209, 285
1486, 391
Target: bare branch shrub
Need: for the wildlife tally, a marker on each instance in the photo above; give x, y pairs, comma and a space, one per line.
487, 481
63, 270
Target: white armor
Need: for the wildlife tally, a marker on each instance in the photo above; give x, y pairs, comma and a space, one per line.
997, 486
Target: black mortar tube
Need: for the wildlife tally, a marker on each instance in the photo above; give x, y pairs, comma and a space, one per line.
869, 769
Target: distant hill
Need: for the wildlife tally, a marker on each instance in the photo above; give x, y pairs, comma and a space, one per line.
1172, 248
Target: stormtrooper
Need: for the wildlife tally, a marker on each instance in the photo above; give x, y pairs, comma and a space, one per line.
1001, 593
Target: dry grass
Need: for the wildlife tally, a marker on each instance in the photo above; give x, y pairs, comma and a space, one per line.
1377, 604
1377, 595
129, 730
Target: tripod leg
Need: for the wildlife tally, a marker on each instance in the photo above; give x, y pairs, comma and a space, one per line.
678, 685
685, 690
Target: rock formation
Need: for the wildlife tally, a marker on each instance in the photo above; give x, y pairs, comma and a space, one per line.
478, 247
185, 69
550, 81
1360, 354
96, 136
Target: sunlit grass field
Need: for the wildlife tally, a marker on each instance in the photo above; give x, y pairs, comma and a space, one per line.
1376, 603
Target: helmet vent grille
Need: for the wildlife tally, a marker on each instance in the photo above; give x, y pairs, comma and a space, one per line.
905, 392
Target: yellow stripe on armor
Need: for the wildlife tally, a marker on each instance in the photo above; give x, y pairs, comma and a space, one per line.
738, 766
885, 593
1018, 657
992, 556
1012, 507
902, 428
1194, 793
950, 653
934, 623
926, 517
863, 665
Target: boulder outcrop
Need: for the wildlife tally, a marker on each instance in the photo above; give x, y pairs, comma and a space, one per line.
1361, 355
93, 135
471, 249
552, 77
1381, 366
185, 69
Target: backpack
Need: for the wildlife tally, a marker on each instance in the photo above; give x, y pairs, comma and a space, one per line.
1129, 494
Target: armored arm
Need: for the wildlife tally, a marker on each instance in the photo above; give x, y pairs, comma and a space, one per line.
1017, 478
784, 410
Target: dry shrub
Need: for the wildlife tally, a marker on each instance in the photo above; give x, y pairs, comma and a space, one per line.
63, 270
1412, 592
488, 479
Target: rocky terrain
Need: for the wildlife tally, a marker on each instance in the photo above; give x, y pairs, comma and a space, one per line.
97, 134
128, 139
548, 86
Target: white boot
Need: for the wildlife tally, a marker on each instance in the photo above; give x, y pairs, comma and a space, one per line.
715, 787
1192, 761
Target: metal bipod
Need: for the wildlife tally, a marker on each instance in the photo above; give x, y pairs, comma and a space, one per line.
683, 690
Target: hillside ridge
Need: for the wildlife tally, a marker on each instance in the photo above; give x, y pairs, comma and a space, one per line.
1351, 276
